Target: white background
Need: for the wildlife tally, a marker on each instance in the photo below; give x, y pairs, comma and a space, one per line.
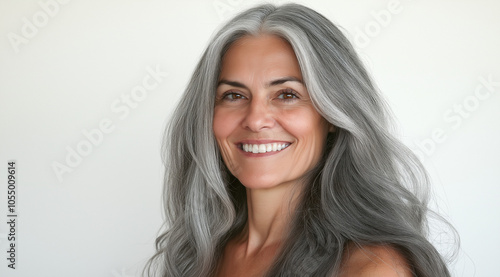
65, 76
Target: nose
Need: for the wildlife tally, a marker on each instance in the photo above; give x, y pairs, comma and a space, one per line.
258, 116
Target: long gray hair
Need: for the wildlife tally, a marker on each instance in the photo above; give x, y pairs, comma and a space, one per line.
368, 189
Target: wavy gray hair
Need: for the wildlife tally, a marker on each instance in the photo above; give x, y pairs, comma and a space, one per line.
368, 189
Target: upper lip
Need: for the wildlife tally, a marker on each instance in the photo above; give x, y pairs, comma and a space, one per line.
261, 141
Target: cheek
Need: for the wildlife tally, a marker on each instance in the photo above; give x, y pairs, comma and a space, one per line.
306, 124
310, 130
224, 124
221, 125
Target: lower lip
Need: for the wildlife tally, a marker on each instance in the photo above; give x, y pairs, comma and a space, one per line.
259, 155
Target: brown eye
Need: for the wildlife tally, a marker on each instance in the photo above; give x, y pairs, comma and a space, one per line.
287, 94
233, 96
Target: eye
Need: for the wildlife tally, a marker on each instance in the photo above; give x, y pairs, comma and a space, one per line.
232, 96
287, 95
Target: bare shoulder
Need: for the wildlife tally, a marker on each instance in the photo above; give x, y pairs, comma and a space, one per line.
374, 261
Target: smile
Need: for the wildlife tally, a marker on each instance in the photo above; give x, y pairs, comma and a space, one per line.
264, 148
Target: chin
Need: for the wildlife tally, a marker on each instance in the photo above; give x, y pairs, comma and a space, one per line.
256, 184
259, 182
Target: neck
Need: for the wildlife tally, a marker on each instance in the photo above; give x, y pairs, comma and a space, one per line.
270, 212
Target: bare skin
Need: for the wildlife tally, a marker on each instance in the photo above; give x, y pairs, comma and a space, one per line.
251, 253
369, 261
261, 99
237, 261
374, 261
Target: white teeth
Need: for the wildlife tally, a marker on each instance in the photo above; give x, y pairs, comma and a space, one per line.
255, 148
263, 148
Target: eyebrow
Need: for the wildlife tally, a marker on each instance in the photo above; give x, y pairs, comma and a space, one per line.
270, 84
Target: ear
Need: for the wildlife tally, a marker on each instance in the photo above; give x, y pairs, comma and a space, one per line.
331, 129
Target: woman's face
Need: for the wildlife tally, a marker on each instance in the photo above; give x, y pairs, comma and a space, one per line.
266, 127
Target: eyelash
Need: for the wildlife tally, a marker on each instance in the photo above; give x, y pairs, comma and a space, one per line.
233, 93
281, 92
288, 91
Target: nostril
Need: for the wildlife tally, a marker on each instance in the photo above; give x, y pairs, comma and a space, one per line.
257, 121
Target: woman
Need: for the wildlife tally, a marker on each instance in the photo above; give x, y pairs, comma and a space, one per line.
280, 163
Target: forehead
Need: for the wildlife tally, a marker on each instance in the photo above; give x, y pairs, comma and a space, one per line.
263, 41
261, 54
